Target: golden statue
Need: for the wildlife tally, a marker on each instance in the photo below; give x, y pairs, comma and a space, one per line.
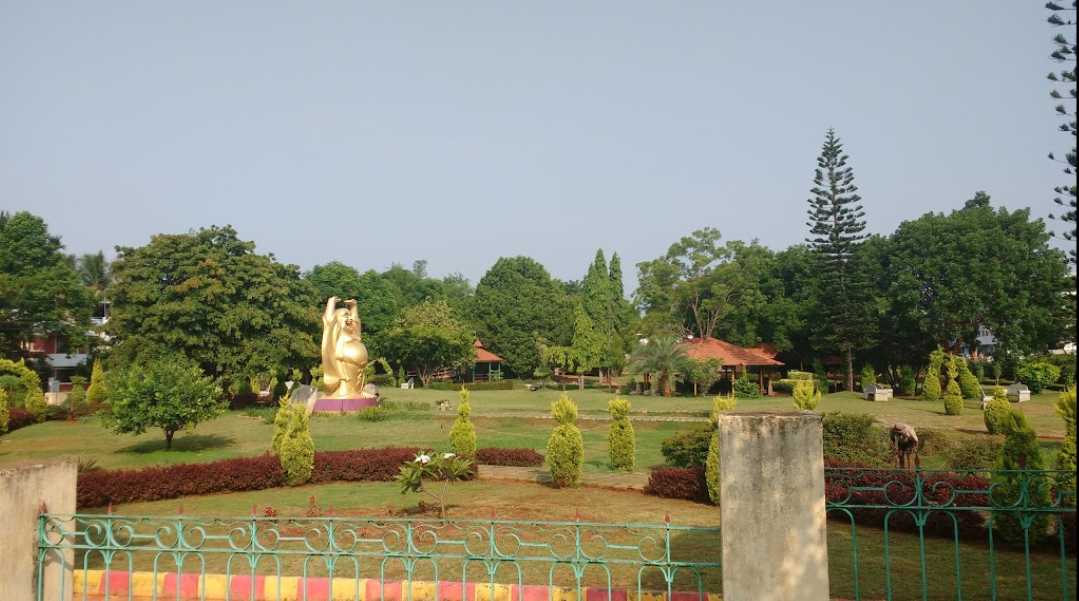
344, 357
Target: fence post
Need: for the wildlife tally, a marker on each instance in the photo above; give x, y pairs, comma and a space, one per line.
24, 490
773, 507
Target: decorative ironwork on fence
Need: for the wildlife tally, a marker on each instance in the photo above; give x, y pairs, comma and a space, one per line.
372, 559
982, 534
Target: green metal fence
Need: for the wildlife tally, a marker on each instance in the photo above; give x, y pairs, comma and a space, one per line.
372, 559
977, 534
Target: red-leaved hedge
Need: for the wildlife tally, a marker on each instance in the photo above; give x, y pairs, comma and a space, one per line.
895, 488
98, 488
19, 418
678, 483
510, 457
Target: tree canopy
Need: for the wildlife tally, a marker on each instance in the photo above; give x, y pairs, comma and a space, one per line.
428, 337
837, 225
40, 291
944, 275
209, 296
515, 304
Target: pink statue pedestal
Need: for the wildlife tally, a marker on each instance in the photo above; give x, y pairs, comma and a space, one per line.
346, 405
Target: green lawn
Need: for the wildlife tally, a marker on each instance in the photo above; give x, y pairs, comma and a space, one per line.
918, 413
506, 500
237, 435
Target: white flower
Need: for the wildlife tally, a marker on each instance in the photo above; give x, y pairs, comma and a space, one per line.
424, 459
448, 455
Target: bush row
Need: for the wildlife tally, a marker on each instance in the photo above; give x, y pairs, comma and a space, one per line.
848, 488
97, 488
510, 457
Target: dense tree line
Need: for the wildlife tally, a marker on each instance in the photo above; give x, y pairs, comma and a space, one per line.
210, 296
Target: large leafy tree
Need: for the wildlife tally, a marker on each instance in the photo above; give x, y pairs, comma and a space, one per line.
837, 226
209, 296
516, 305
602, 299
378, 300
428, 337
586, 351
681, 282
735, 291
40, 292
943, 275
166, 392
1063, 90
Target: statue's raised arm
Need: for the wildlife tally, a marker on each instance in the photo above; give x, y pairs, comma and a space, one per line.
344, 357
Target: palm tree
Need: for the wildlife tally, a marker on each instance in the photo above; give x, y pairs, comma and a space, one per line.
664, 357
95, 271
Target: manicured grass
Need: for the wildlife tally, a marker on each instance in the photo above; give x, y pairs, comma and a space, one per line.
506, 500
237, 435
918, 413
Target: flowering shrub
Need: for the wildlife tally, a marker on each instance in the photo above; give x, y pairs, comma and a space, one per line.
269, 512
678, 483
510, 457
428, 466
98, 488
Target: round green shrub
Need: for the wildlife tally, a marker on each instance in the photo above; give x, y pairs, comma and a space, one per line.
298, 449
280, 425
968, 382
745, 388
5, 413
931, 385
953, 395
97, 393
621, 439
1021, 452
998, 411
565, 447
806, 396
720, 404
1065, 461
463, 433
855, 438
868, 376
953, 404
687, 449
1037, 375
974, 452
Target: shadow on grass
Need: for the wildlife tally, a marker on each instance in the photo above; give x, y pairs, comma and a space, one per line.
184, 444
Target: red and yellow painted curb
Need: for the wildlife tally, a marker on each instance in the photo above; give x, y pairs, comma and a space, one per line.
219, 587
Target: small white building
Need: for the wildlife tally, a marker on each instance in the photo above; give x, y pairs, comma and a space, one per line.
1018, 393
877, 392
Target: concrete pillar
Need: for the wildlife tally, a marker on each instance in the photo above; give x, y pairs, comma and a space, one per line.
24, 490
773, 508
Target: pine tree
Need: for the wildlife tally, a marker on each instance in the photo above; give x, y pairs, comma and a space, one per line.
1065, 52
837, 225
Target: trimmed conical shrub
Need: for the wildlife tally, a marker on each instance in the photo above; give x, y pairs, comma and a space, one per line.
565, 447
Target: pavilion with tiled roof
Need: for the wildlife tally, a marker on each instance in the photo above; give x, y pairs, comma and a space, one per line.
735, 359
486, 364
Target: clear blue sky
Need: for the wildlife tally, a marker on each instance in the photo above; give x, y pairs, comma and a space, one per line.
457, 132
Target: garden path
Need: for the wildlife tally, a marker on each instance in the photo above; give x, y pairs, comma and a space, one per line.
618, 481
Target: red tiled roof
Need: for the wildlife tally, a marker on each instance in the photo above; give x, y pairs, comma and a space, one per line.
729, 354
483, 355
